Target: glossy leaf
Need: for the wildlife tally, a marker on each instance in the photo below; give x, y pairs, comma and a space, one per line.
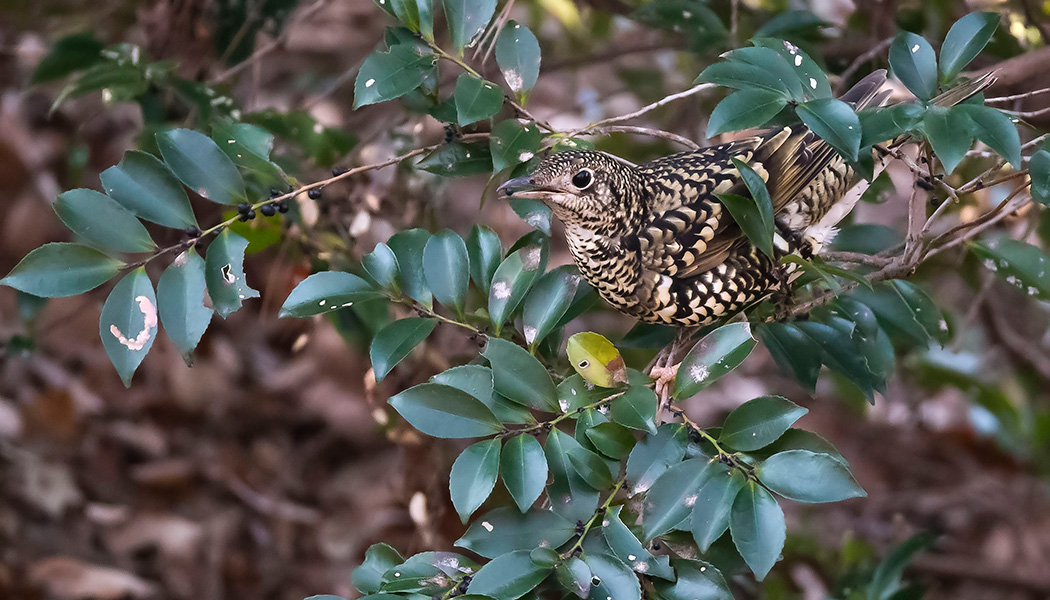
445, 412
381, 265
476, 99
995, 129
485, 251
224, 273
458, 160
591, 468
743, 109
379, 558
759, 422
427, 573
812, 77
508, 576
709, 517
949, 132
519, 376
466, 19
145, 186
716, 354
128, 323
630, 550
180, 300
886, 123
757, 525
473, 476
635, 409
392, 74
914, 63
395, 341
446, 266
102, 222
671, 497
839, 353
793, 351
408, 248
965, 40
696, 580
1039, 170
611, 439
835, 122
754, 215
805, 476
570, 496
1022, 265
612, 579
513, 143
326, 291
575, 576
595, 358
654, 455
512, 281
523, 468
518, 57
755, 68
60, 270
249, 147
506, 530
198, 163
548, 302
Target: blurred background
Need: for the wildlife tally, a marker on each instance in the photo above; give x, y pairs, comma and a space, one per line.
267, 468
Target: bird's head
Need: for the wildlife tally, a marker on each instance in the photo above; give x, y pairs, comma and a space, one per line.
588, 189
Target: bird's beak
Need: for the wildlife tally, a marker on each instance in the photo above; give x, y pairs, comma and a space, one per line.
523, 187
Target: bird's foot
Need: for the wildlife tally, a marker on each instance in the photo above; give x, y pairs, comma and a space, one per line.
665, 378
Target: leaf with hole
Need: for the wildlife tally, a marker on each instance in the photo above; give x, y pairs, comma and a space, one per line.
326, 291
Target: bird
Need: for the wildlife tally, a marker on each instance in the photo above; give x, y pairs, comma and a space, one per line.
656, 242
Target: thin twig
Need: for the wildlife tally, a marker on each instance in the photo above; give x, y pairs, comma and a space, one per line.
1016, 96
863, 58
269, 47
657, 133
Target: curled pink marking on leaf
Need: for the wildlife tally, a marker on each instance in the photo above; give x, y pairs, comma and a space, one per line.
149, 323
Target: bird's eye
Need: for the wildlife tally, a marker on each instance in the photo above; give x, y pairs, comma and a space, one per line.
583, 364
582, 179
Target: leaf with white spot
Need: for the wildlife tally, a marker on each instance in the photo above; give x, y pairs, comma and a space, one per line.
224, 272
128, 323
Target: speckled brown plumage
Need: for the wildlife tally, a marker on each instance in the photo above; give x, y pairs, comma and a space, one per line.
656, 242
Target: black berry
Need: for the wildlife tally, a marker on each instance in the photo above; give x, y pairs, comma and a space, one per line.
268, 210
282, 206
314, 194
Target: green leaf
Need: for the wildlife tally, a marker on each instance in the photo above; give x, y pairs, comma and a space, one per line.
839, 353
800, 439
466, 19
408, 248
476, 380
407, 12
743, 75
754, 215
758, 529
506, 530
835, 122
458, 160
473, 476
535, 213
442, 411
523, 468
905, 311
143, 185
381, 265
180, 300
519, 376
513, 143
548, 302
326, 291
949, 132
575, 576
759, 422
716, 354
485, 252
510, 575
914, 63
68, 55
224, 273
102, 222
886, 580
392, 74
513, 279
700, 25
709, 518
635, 409
476, 99
671, 497
128, 323
570, 496
793, 351
1039, 169
249, 147
518, 57
591, 468
995, 129
612, 579
379, 558
446, 266
611, 439
61, 270
697, 580
811, 76
199, 164
654, 455
1022, 265
395, 341
886, 123
805, 476
119, 82
965, 40
427, 573
743, 109
630, 550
